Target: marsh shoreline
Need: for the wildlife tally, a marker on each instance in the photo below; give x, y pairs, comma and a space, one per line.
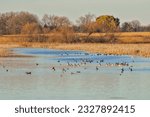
115, 49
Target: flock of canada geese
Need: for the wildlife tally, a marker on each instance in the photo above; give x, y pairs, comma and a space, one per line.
82, 63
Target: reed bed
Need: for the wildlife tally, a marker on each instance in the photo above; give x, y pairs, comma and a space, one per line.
117, 49
123, 43
5, 49
4, 52
129, 37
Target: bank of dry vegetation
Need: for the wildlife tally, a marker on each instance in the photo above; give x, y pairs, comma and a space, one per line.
122, 44
130, 37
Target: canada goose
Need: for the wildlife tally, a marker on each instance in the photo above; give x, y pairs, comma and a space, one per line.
78, 72
72, 73
64, 70
85, 68
37, 64
122, 70
28, 73
53, 68
130, 69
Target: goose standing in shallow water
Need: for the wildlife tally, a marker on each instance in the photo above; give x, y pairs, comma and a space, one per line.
122, 70
53, 68
28, 73
96, 68
37, 64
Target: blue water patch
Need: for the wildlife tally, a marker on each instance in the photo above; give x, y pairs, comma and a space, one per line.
70, 55
40, 51
65, 74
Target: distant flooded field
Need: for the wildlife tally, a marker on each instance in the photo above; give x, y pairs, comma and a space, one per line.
62, 74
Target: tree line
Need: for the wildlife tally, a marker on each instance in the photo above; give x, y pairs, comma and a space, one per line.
28, 23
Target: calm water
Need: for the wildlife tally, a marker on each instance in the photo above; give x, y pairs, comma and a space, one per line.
58, 74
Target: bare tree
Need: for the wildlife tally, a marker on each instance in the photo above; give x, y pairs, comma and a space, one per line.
2, 24
12, 22
4, 20
22, 18
135, 25
85, 22
53, 22
145, 28
126, 27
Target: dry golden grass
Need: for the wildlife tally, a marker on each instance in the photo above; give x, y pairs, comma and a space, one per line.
4, 52
124, 34
133, 44
5, 49
125, 49
126, 37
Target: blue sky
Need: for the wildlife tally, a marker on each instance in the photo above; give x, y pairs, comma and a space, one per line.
126, 10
